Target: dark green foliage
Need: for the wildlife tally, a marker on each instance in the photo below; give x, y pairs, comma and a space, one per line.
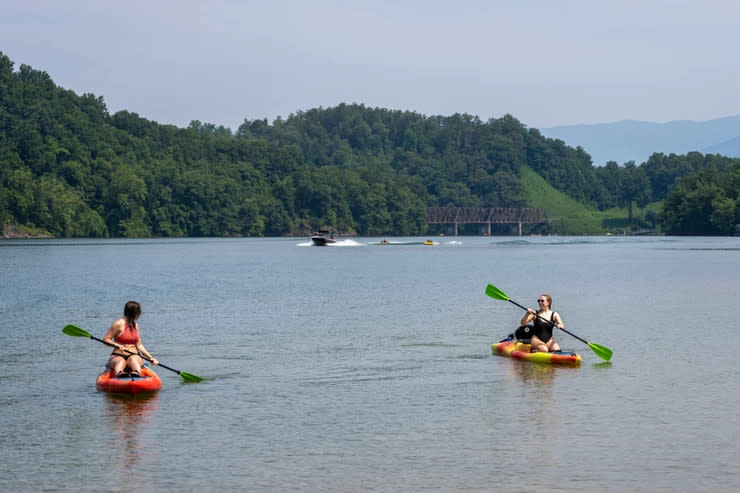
664, 172
70, 168
704, 203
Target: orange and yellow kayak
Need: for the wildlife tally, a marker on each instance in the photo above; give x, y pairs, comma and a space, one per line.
519, 350
147, 382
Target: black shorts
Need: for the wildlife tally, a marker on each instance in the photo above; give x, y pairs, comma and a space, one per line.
124, 356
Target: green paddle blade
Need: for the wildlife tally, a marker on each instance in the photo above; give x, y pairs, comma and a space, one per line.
601, 351
496, 293
73, 330
189, 377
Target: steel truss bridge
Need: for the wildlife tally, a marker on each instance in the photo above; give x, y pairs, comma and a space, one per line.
485, 216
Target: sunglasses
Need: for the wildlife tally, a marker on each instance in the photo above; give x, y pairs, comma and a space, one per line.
541, 301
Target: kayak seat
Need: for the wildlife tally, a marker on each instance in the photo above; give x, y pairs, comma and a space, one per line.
524, 333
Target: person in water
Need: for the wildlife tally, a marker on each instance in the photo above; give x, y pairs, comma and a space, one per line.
124, 335
541, 339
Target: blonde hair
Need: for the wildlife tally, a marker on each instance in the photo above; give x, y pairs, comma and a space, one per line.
549, 300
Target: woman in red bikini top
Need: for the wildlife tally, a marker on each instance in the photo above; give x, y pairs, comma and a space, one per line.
124, 336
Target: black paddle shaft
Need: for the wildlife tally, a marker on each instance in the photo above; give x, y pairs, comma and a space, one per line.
545, 320
131, 352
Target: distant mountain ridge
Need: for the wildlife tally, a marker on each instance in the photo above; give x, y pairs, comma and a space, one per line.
632, 140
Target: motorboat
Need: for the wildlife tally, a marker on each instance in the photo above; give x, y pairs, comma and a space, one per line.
323, 237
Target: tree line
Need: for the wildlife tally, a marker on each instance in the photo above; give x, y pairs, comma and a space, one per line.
69, 168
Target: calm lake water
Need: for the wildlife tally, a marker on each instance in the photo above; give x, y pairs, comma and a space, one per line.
368, 367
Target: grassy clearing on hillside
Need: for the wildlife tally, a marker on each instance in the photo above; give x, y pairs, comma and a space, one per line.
567, 216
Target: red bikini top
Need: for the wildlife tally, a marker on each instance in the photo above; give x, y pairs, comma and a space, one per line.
129, 335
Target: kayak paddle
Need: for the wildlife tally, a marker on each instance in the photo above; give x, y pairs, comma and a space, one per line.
601, 351
73, 330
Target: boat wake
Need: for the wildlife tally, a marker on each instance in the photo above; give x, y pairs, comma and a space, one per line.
346, 243
355, 243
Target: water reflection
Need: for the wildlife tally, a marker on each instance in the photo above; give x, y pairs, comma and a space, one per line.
536, 381
602, 365
128, 417
534, 403
530, 373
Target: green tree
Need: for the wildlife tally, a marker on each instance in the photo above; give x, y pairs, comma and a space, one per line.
704, 203
126, 194
634, 187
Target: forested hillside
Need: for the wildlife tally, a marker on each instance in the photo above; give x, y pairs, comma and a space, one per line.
71, 169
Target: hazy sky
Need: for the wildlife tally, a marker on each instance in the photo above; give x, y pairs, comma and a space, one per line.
546, 62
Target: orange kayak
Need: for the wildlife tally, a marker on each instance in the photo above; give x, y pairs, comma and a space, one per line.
519, 350
147, 382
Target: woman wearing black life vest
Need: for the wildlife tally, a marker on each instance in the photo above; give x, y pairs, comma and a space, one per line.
542, 340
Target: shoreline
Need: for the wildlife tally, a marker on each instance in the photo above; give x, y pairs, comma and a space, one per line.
11, 231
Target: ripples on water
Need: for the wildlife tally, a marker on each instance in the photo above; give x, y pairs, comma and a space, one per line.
368, 367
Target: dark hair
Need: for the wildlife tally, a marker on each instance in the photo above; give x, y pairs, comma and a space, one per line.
131, 312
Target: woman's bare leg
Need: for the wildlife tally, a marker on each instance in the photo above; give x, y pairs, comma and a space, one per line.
117, 364
538, 346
